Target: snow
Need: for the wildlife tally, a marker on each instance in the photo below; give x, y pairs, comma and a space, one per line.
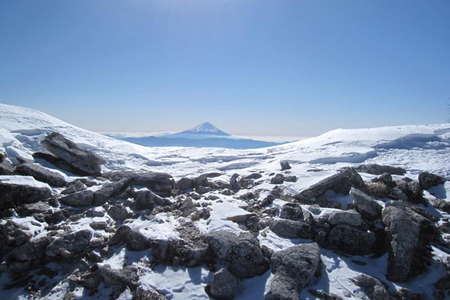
205, 128
414, 147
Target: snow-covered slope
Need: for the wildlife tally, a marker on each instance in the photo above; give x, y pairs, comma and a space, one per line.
415, 148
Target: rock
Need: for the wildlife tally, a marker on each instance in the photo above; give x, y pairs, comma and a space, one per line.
223, 286
82, 161
242, 255
95, 198
235, 186
411, 189
147, 293
373, 288
277, 179
159, 183
100, 225
407, 248
339, 183
126, 277
148, 200
12, 236
366, 205
375, 169
350, 240
34, 208
442, 287
27, 256
134, 240
178, 252
428, 180
385, 178
74, 186
70, 245
285, 165
292, 268
291, 211
41, 174
405, 294
18, 190
324, 295
79, 199
6, 168
345, 217
290, 178
381, 190
118, 213
291, 229
185, 184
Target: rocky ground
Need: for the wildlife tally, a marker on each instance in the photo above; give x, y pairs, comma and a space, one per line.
106, 234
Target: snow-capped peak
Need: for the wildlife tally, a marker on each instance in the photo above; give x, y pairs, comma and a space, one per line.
205, 128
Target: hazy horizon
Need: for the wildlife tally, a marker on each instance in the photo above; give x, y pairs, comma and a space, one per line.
252, 68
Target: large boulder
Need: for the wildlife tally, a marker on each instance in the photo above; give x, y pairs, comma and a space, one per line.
41, 174
224, 285
12, 236
345, 217
375, 169
242, 254
284, 164
351, 240
70, 245
125, 277
407, 233
18, 190
291, 229
27, 256
372, 288
133, 239
292, 268
428, 180
160, 183
82, 162
339, 183
146, 199
411, 189
291, 211
365, 205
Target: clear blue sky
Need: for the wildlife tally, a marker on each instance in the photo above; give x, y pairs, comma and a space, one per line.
256, 67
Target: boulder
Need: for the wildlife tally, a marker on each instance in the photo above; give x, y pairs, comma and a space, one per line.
372, 288
178, 252
27, 256
147, 293
351, 240
291, 229
95, 198
70, 245
6, 168
41, 174
365, 205
224, 285
18, 190
406, 242
375, 169
79, 199
345, 217
241, 254
292, 268
74, 186
125, 277
339, 183
145, 199
284, 164
84, 162
411, 189
159, 183
428, 180
291, 211
277, 179
185, 184
12, 236
133, 239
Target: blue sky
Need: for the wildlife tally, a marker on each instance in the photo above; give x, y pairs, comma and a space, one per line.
255, 67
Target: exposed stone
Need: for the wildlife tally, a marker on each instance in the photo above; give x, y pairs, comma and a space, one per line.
292, 268
375, 169
28, 255
185, 184
70, 245
285, 165
291, 229
277, 179
223, 286
12, 236
6, 168
411, 189
291, 178
428, 180
147, 293
126, 277
145, 199
373, 288
159, 183
292, 211
118, 213
41, 174
74, 186
350, 240
366, 205
133, 239
84, 162
14, 194
345, 217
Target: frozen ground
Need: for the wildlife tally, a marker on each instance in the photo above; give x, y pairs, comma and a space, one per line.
415, 148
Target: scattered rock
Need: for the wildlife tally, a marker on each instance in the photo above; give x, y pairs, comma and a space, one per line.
366, 205
285, 165
13, 193
292, 268
291, 211
119, 213
372, 287
277, 179
223, 286
145, 199
345, 217
12, 236
428, 180
375, 169
159, 183
291, 229
41, 174
82, 161
147, 293
70, 245
350, 240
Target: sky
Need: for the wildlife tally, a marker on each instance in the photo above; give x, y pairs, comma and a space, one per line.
251, 67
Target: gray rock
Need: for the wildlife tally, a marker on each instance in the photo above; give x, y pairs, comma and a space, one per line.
277, 179
178, 252
403, 227
292, 268
365, 205
291, 229
159, 183
373, 288
375, 169
12, 236
41, 174
70, 245
27, 256
242, 255
411, 189
148, 200
350, 240
34, 208
79, 199
428, 180
6, 168
185, 184
223, 286
147, 293
291, 178
284, 164
74, 186
345, 217
118, 213
82, 161
291, 211
15, 194
126, 277
133, 239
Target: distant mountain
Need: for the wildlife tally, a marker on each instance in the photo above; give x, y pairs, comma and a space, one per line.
203, 135
205, 128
